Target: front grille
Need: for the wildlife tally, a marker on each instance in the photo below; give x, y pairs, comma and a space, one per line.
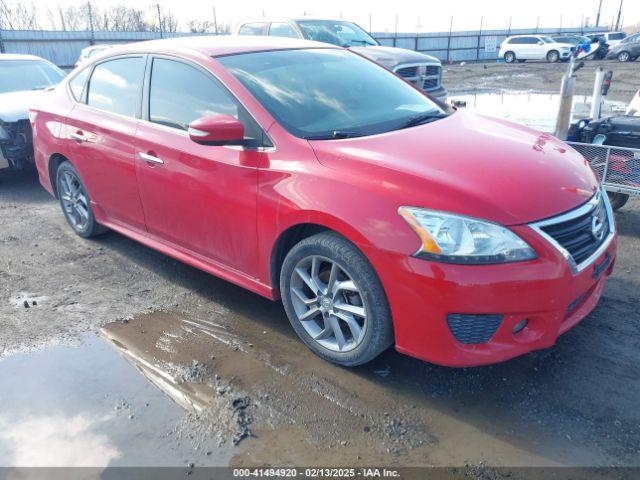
473, 329
581, 235
407, 72
433, 70
430, 83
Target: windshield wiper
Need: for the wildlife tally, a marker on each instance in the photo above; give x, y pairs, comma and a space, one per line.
335, 135
423, 118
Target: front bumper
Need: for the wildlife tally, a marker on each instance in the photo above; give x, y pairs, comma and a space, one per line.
439, 93
16, 151
564, 54
543, 291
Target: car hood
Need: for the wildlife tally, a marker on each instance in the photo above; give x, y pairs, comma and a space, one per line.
468, 164
392, 56
14, 106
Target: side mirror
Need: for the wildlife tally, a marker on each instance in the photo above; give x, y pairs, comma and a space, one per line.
217, 130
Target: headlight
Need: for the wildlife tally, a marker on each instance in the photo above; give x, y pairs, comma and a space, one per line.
451, 238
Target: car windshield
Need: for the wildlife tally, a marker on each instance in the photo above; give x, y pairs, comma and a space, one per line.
343, 34
547, 39
17, 75
330, 93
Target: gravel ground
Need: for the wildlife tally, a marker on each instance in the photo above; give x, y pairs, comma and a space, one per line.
250, 388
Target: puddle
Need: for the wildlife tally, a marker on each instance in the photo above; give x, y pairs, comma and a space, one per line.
535, 110
88, 406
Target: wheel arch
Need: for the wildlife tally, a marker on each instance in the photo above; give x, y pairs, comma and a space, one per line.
298, 231
55, 161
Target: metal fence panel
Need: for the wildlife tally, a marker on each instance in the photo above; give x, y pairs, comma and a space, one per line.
617, 168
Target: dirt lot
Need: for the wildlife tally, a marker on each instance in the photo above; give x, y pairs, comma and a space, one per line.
540, 77
251, 393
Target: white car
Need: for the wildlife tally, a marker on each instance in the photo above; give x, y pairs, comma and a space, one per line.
534, 47
88, 52
23, 78
610, 38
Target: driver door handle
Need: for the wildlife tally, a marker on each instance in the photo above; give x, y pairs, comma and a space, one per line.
150, 158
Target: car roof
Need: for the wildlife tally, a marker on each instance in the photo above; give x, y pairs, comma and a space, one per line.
16, 56
217, 45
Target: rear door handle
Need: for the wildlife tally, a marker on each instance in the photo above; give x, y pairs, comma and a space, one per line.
150, 158
78, 137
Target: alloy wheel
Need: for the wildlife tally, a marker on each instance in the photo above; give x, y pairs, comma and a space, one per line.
74, 200
623, 56
328, 303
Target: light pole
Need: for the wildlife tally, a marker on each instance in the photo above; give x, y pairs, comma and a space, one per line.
598, 16
619, 14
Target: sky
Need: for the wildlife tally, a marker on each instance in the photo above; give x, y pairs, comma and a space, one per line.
421, 15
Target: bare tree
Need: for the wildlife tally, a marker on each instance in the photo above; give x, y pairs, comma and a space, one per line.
18, 16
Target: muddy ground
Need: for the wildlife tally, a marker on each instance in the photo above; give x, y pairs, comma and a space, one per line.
540, 77
124, 356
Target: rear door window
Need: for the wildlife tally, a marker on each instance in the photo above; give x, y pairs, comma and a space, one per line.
115, 86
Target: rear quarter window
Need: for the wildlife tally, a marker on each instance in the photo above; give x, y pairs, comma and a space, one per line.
115, 86
77, 84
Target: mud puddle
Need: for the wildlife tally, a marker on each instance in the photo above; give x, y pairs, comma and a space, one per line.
253, 385
535, 110
87, 406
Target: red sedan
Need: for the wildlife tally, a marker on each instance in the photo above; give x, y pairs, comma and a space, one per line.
309, 173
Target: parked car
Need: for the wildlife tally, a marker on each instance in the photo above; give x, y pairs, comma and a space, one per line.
534, 47
22, 78
88, 52
627, 50
583, 44
302, 171
424, 71
611, 38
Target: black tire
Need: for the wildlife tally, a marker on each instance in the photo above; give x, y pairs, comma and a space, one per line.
618, 200
86, 226
378, 329
509, 57
553, 56
624, 56
521, 61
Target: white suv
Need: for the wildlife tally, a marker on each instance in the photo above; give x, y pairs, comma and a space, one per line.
534, 47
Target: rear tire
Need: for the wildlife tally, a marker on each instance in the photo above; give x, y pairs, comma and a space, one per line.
335, 301
509, 57
75, 202
553, 56
618, 200
624, 57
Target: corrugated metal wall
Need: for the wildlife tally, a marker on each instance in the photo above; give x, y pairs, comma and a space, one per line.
63, 48
465, 46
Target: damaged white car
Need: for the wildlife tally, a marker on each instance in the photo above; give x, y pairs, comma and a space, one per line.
22, 79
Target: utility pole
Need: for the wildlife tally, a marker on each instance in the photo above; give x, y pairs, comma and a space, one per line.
395, 28
619, 13
598, 16
159, 19
215, 21
92, 41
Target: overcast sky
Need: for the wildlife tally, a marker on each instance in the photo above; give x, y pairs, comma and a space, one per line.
425, 15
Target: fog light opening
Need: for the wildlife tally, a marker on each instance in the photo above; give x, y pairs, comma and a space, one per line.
520, 326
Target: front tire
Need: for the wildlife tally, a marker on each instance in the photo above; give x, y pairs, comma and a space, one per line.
618, 200
75, 202
509, 57
624, 57
553, 56
335, 301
